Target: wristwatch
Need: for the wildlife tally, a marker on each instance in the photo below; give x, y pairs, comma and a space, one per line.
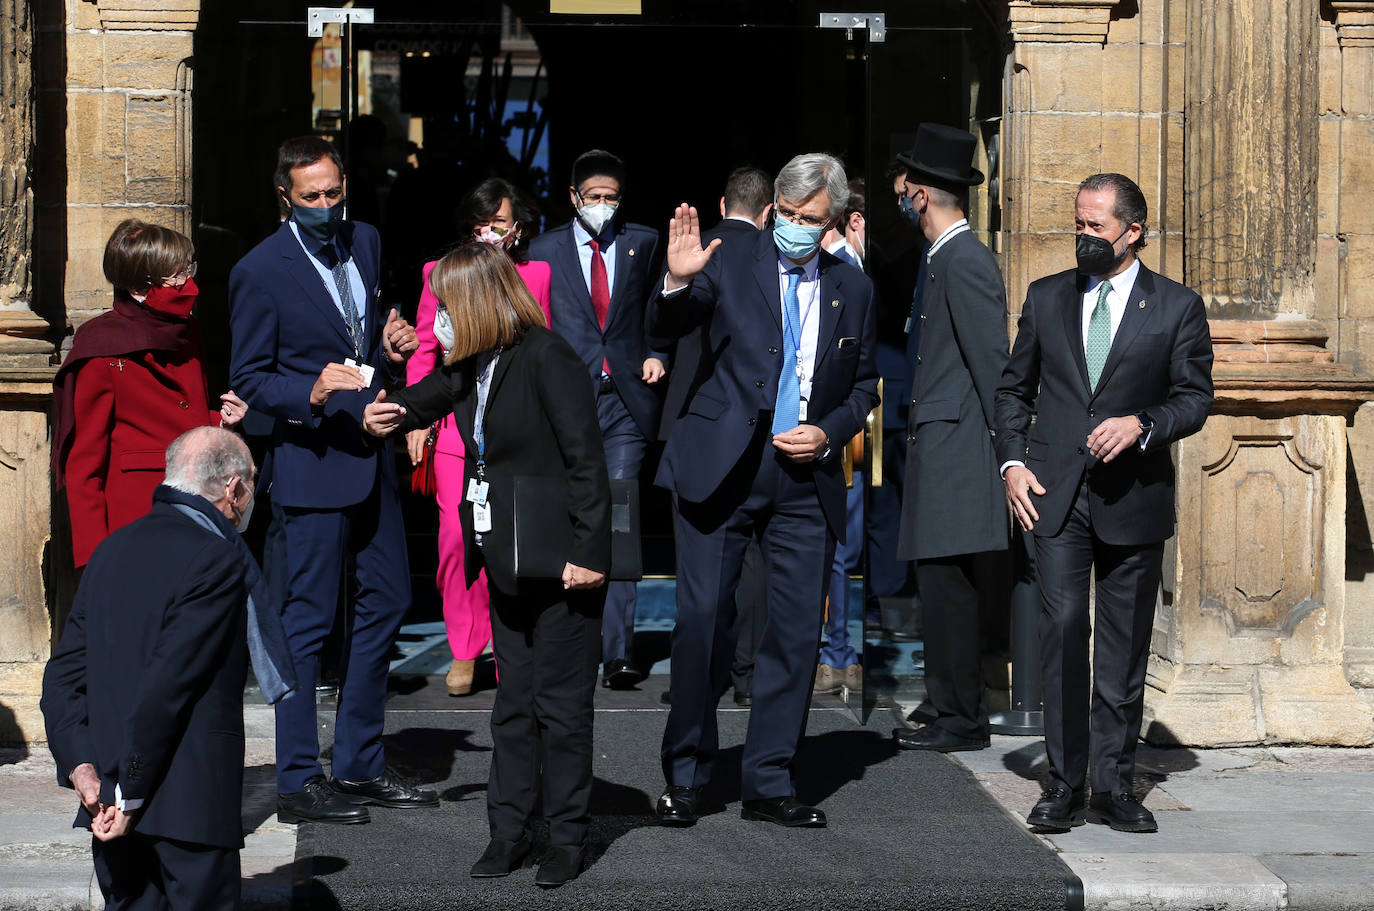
1147, 423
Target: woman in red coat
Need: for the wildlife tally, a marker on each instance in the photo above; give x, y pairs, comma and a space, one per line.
133, 382
494, 212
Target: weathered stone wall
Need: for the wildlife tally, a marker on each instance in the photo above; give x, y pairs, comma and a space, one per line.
1345, 286
1090, 88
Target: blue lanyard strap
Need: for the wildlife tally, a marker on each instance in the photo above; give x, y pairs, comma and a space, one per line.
483, 397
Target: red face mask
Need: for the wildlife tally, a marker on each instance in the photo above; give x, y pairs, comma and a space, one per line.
174, 302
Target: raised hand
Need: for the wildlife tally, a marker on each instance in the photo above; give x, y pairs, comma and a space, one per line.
398, 338
335, 378
382, 417
686, 257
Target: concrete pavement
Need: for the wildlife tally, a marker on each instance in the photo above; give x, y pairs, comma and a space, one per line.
1260, 828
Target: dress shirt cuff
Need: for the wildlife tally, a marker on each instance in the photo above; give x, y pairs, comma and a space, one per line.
1007, 464
129, 805
1145, 439
675, 291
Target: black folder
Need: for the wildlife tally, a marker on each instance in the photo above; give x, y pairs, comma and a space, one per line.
543, 530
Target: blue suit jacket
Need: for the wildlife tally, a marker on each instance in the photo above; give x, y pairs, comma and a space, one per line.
623, 343
285, 329
738, 293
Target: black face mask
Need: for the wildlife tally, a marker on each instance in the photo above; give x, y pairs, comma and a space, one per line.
1097, 255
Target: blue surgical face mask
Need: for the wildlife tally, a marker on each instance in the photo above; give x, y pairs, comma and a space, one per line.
320, 225
796, 241
908, 212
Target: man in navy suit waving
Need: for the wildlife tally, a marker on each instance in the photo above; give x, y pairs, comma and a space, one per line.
603, 273
756, 454
312, 346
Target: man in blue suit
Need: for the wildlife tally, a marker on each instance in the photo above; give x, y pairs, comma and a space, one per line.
756, 454
311, 347
603, 273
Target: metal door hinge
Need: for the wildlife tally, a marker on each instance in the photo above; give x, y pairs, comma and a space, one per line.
317, 16
876, 23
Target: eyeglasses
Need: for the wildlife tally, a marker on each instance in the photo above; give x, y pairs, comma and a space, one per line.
593, 199
181, 278
313, 196
796, 218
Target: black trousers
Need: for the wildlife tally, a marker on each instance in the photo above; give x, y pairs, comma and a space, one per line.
954, 672
548, 646
1100, 739
145, 873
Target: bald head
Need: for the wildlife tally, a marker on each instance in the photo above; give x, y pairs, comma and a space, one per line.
202, 461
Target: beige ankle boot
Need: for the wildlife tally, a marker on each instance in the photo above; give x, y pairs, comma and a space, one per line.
459, 679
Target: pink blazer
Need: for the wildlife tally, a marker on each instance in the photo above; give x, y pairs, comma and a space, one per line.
537, 276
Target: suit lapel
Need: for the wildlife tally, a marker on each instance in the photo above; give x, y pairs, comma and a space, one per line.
1073, 331
766, 274
830, 302
1138, 313
311, 284
570, 264
624, 250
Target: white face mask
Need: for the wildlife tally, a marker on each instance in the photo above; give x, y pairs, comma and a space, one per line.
443, 329
596, 218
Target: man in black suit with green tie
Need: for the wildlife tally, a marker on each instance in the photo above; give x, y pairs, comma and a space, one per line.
1115, 363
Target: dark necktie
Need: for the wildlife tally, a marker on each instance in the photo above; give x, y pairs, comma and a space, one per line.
601, 294
339, 269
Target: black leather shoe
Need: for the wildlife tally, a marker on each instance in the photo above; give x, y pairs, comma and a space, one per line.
677, 806
559, 866
937, 739
1121, 811
744, 699
317, 802
1059, 809
620, 675
386, 790
785, 811
501, 858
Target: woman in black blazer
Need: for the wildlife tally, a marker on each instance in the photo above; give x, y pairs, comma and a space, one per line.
539, 420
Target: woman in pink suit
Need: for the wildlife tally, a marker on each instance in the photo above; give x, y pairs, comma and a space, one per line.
494, 212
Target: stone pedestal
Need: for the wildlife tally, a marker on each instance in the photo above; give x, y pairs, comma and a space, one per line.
1250, 647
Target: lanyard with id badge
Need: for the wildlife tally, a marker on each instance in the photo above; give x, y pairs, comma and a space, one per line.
478, 487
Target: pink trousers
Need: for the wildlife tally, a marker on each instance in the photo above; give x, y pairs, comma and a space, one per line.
467, 615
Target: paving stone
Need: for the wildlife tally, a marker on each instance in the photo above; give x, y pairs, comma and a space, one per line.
1325, 882
1176, 882
44, 883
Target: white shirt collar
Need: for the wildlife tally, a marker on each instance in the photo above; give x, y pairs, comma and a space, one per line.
958, 227
808, 268
581, 235
744, 218
1121, 284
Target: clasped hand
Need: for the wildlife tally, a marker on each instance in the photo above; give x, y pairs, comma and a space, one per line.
107, 822
1107, 441
803, 443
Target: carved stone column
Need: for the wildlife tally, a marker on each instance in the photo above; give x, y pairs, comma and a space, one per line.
1251, 156
1249, 644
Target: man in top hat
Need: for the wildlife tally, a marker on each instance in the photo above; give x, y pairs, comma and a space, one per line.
954, 505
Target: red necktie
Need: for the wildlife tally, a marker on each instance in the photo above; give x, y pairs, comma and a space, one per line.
601, 294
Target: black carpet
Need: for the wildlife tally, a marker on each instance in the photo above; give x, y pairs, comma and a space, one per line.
907, 830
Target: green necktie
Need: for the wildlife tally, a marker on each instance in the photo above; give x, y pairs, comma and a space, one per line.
1099, 336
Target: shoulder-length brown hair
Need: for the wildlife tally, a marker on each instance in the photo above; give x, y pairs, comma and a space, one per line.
139, 255
486, 299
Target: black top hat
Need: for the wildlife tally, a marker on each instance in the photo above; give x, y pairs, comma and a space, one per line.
943, 155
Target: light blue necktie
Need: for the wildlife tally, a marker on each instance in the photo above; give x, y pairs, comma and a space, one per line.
1099, 336
787, 411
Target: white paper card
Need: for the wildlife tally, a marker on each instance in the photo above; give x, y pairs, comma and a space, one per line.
481, 517
367, 370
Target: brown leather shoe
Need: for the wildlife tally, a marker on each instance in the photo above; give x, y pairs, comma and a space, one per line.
459, 679
829, 680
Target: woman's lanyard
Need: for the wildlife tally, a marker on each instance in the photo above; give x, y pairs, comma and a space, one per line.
478, 486
795, 334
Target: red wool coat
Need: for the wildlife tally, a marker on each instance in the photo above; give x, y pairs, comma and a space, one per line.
127, 410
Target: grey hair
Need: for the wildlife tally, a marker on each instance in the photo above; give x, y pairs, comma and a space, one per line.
202, 460
810, 173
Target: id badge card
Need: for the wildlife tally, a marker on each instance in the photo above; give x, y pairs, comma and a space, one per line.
801, 411
367, 370
481, 517
477, 491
